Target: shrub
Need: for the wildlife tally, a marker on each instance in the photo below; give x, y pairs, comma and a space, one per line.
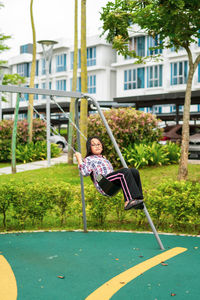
34, 152
172, 205
128, 125
39, 130
5, 150
173, 151
7, 192
140, 155
175, 204
62, 198
39, 134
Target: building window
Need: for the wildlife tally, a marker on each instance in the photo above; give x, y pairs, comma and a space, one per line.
134, 79
154, 76
139, 45
36, 68
72, 59
36, 95
43, 67
91, 84
151, 43
23, 69
78, 84
179, 72
61, 63
198, 72
61, 85
24, 49
91, 56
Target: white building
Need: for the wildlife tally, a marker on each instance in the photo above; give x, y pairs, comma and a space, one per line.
166, 75
113, 77
101, 74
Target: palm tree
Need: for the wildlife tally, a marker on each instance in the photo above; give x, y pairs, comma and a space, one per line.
74, 83
84, 103
32, 76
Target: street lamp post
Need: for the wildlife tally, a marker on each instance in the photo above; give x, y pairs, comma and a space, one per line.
47, 46
2, 72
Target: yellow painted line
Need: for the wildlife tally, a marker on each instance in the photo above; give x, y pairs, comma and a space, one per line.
108, 289
8, 285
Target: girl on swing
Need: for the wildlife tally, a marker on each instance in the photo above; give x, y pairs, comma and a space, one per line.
127, 178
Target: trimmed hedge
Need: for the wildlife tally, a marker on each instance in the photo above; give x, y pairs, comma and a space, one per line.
173, 206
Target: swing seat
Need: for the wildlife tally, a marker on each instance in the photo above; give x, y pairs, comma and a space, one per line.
107, 186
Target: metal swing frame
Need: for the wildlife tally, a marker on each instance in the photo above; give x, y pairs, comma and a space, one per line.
78, 96
89, 97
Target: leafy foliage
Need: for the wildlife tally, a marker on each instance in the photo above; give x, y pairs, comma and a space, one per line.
35, 151
39, 130
176, 22
140, 155
173, 205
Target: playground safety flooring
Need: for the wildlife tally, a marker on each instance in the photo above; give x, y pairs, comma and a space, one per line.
98, 266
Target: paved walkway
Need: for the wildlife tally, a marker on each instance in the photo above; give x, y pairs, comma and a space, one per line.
35, 165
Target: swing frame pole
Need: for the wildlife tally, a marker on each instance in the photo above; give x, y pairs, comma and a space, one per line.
81, 176
124, 164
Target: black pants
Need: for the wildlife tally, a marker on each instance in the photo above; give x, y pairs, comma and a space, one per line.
129, 180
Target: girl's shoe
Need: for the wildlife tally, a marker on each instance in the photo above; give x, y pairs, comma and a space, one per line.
136, 203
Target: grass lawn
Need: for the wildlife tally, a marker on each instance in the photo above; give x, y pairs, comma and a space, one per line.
150, 176
3, 165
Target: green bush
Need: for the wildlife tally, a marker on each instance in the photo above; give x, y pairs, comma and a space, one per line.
39, 130
33, 152
39, 135
7, 192
174, 206
5, 150
128, 125
140, 155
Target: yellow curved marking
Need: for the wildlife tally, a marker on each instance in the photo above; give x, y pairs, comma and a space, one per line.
108, 289
8, 285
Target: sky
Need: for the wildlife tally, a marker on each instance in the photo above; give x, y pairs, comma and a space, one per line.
53, 20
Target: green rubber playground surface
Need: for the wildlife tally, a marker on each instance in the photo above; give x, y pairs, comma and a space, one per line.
88, 260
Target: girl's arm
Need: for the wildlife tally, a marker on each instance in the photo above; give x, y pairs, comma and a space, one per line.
84, 166
78, 157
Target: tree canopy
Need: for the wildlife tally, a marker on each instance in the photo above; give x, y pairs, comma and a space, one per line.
177, 22
173, 23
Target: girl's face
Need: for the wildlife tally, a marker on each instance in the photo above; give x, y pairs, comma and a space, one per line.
96, 147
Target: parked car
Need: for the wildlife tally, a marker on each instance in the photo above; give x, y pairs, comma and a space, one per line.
174, 134
59, 140
194, 146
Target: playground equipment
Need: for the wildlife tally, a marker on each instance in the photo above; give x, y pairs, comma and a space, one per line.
78, 96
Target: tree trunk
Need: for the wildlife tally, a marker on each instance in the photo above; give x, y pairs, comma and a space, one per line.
84, 102
74, 83
32, 77
183, 165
